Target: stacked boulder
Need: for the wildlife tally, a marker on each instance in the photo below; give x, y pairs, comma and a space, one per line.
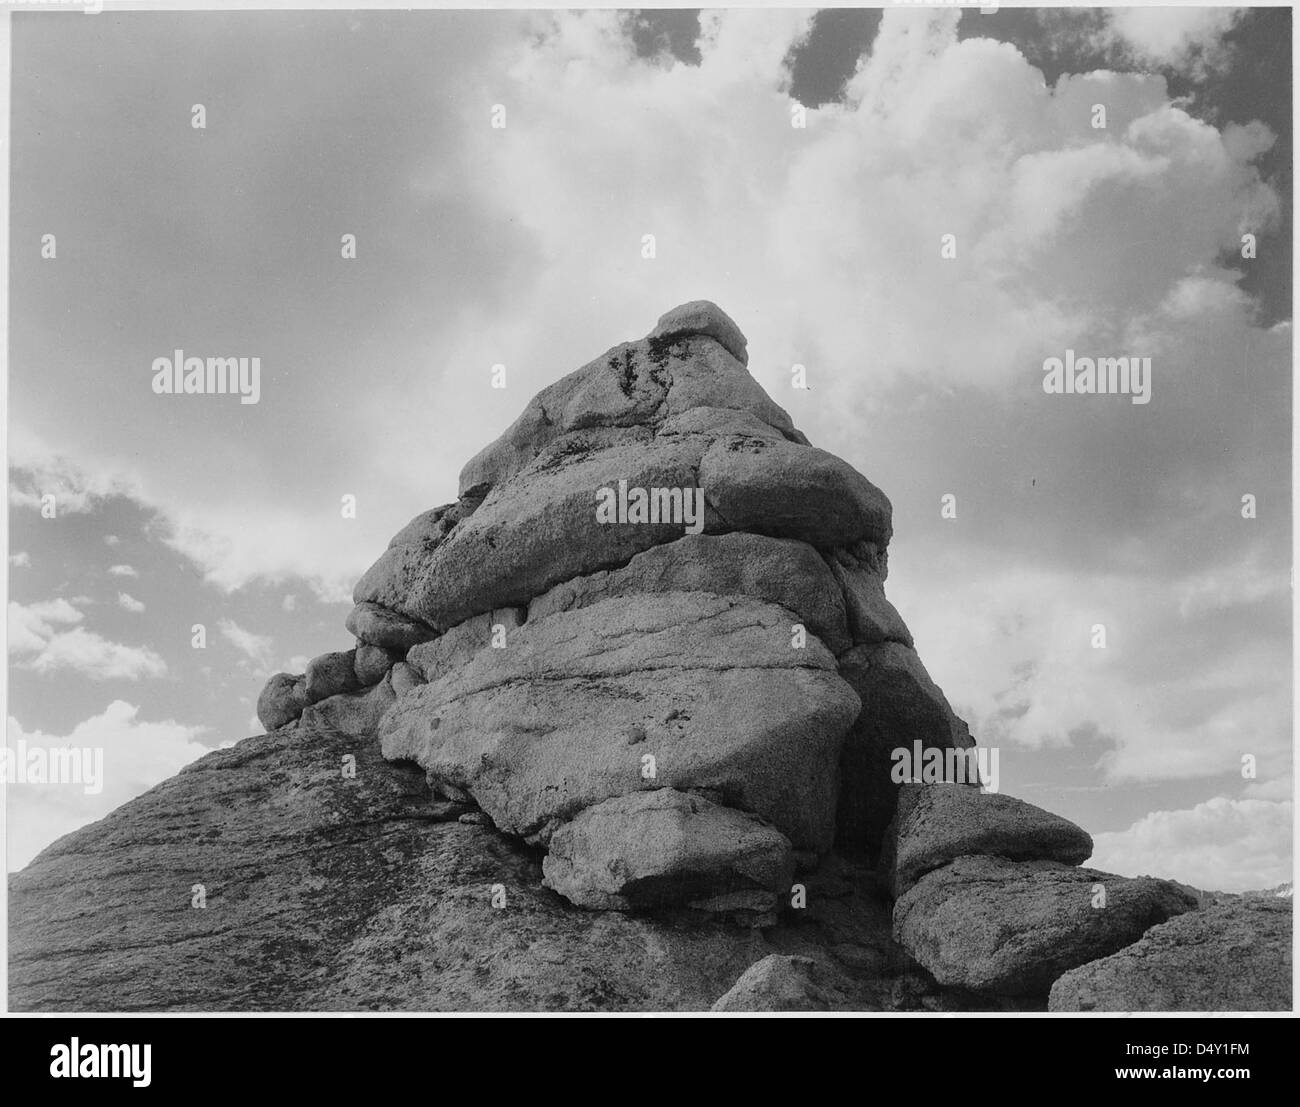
989, 898
348, 690
651, 636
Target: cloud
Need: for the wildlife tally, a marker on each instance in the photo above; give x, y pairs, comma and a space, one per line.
112, 540
826, 240
90, 655
32, 625
823, 241
1247, 581
1175, 694
256, 647
34, 629
1220, 845
237, 544
137, 755
129, 603
231, 543
289, 602
20, 560
1184, 37
1279, 788
35, 472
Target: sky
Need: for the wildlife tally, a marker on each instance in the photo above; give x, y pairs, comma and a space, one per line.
522, 246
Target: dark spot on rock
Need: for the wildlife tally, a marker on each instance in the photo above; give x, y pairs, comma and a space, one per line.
627, 373
660, 351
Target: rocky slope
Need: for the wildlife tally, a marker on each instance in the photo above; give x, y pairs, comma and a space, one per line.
326, 891
615, 734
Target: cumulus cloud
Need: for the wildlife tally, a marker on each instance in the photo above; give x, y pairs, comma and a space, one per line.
240, 543
35, 631
129, 603
20, 560
122, 571
136, 756
1220, 845
32, 625
826, 241
91, 655
1182, 36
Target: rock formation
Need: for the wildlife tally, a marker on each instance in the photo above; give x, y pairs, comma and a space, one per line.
636, 689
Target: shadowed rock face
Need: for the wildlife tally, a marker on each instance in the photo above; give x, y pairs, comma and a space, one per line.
647, 848
937, 823
571, 751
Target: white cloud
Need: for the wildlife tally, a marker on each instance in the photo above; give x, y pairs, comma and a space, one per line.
36, 471
232, 544
32, 625
112, 540
129, 603
1011, 645
825, 242
237, 544
137, 755
289, 602
1220, 845
34, 629
93, 656
256, 647
1179, 35
20, 560
1241, 582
